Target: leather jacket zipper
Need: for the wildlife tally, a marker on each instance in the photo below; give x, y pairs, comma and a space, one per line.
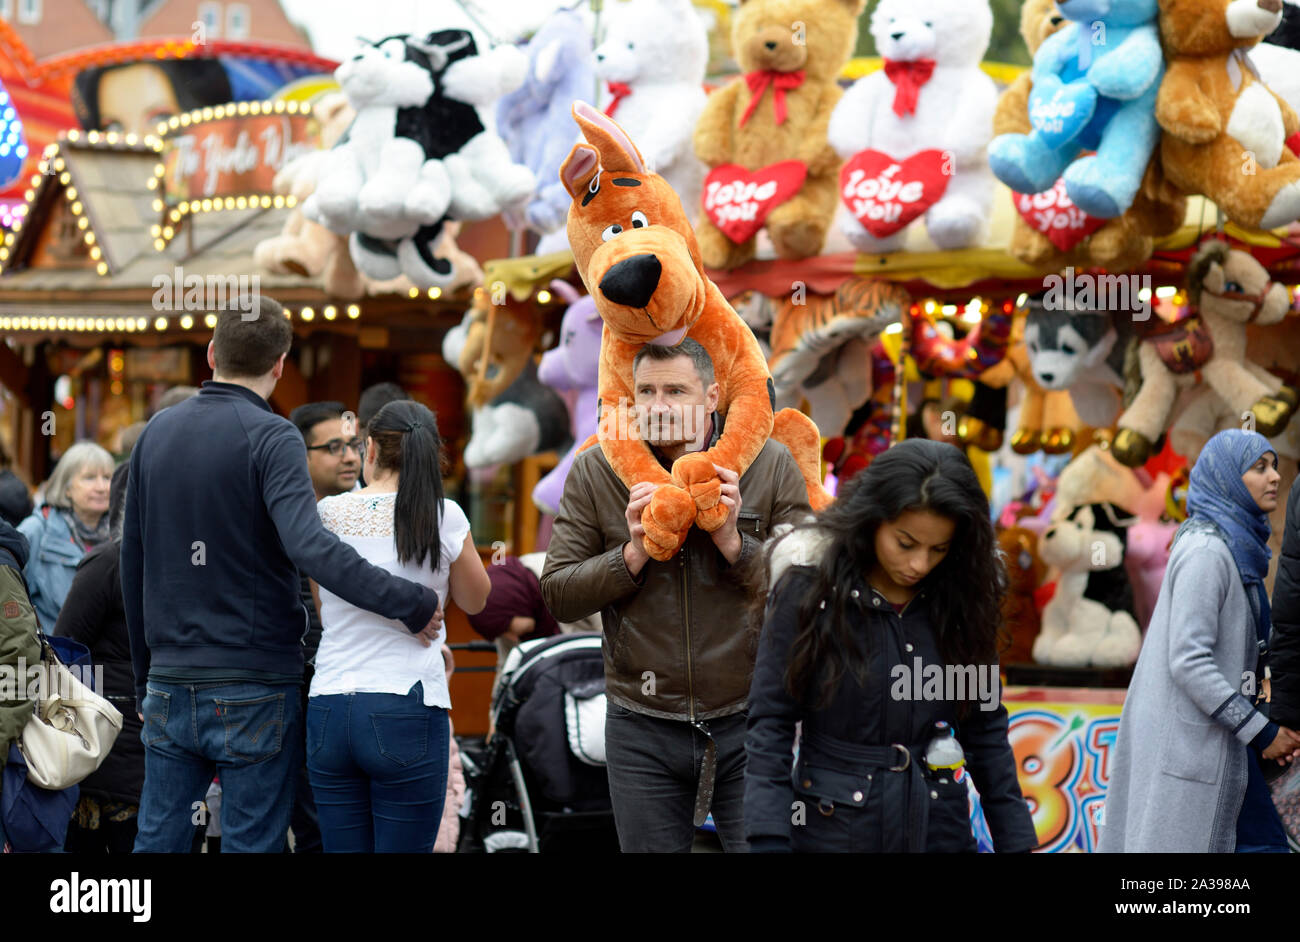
686, 608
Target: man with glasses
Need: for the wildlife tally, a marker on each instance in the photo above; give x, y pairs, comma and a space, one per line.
334, 463
333, 446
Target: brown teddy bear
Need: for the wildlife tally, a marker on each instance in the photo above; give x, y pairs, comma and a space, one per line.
1119, 244
1224, 128
1025, 572
764, 135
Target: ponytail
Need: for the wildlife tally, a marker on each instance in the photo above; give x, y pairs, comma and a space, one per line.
407, 440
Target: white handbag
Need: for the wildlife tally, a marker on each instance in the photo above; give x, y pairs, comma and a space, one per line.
72, 730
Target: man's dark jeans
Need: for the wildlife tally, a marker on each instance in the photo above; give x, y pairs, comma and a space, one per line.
248, 733
654, 771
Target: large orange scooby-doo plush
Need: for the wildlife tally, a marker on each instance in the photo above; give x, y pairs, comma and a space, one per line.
637, 255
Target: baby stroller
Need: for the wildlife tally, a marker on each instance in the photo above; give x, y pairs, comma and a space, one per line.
539, 785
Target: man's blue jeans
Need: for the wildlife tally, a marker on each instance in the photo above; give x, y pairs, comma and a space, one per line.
378, 767
248, 734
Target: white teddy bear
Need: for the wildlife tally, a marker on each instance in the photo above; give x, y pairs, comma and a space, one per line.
653, 58
931, 96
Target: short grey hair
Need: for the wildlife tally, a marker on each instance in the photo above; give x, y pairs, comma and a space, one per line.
75, 460
689, 348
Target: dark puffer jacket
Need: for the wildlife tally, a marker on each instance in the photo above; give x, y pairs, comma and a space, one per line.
852, 789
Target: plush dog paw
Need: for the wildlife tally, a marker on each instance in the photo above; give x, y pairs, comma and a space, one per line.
1058, 441
666, 520
697, 476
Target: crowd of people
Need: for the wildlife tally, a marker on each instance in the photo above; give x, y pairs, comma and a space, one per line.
278, 646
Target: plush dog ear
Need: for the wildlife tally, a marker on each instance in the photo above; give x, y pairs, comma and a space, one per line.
616, 150
580, 169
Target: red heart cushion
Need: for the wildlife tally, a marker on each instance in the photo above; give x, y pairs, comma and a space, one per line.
1054, 214
885, 194
738, 202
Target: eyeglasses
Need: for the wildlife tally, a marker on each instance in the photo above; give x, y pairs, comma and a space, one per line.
335, 447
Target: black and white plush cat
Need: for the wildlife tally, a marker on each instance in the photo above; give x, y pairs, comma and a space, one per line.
418, 152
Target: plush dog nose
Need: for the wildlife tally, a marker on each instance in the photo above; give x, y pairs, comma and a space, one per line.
769, 44
632, 281
897, 36
1047, 377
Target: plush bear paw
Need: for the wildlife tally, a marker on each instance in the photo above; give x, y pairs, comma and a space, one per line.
719, 252
1131, 448
802, 238
954, 223
1098, 188
1284, 209
1022, 162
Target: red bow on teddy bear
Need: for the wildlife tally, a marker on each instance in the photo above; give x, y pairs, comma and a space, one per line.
908, 77
781, 82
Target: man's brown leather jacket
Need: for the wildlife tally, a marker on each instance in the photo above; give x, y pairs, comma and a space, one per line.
676, 642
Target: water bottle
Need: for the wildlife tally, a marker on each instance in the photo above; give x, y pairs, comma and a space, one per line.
943, 751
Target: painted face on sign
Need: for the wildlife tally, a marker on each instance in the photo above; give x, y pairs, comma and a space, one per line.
134, 98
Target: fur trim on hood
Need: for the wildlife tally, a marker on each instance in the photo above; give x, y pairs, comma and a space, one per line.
804, 547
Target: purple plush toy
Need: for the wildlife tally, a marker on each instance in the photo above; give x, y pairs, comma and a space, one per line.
572, 366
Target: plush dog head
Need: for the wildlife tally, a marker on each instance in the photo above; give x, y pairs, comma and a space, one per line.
1025, 570
389, 72
1090, 539
1064, 345
633, 245
1233, 285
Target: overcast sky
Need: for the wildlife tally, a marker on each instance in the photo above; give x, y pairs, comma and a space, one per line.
334, 25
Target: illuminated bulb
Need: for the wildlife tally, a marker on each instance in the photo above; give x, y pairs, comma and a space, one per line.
210, 320
949, 310
90, 238
74, 134
160, 323
168, 232
61, 323
243, 107
331, 312
206, 206
544, 296
278, 202
132, 139
155, 231
157, 206
151, 183
186, 322
120, 323
291, 201
929, 307
102, 268
95, 253
413, 292
141, 324
354, 311
159, 244
65, 178
29, 195
306, 313
185, 120
241, 203
1166, 291
82, 222
230, 202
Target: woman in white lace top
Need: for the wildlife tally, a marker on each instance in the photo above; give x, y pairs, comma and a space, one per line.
377, 726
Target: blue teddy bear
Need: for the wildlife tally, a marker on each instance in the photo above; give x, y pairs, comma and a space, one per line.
535, 119
1095, 87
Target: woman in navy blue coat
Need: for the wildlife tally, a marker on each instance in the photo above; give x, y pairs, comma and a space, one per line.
882, 627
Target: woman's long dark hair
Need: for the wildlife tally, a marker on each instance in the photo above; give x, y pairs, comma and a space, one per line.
406, 438
964, 590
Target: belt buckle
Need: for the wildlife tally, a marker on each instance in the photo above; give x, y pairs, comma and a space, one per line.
907, 758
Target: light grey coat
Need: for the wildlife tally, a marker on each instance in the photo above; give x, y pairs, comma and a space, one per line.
1178, 771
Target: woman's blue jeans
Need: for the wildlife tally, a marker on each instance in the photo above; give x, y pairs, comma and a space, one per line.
378, 769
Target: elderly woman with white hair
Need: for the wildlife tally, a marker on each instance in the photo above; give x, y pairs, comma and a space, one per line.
72, 520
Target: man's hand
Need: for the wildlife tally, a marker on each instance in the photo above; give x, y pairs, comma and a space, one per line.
1284, 747
726, 538
634, 554
429, 633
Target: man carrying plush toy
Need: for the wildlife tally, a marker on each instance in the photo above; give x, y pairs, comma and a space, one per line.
678, 659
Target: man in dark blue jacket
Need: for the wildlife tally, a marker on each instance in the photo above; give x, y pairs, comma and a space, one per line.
220, 515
